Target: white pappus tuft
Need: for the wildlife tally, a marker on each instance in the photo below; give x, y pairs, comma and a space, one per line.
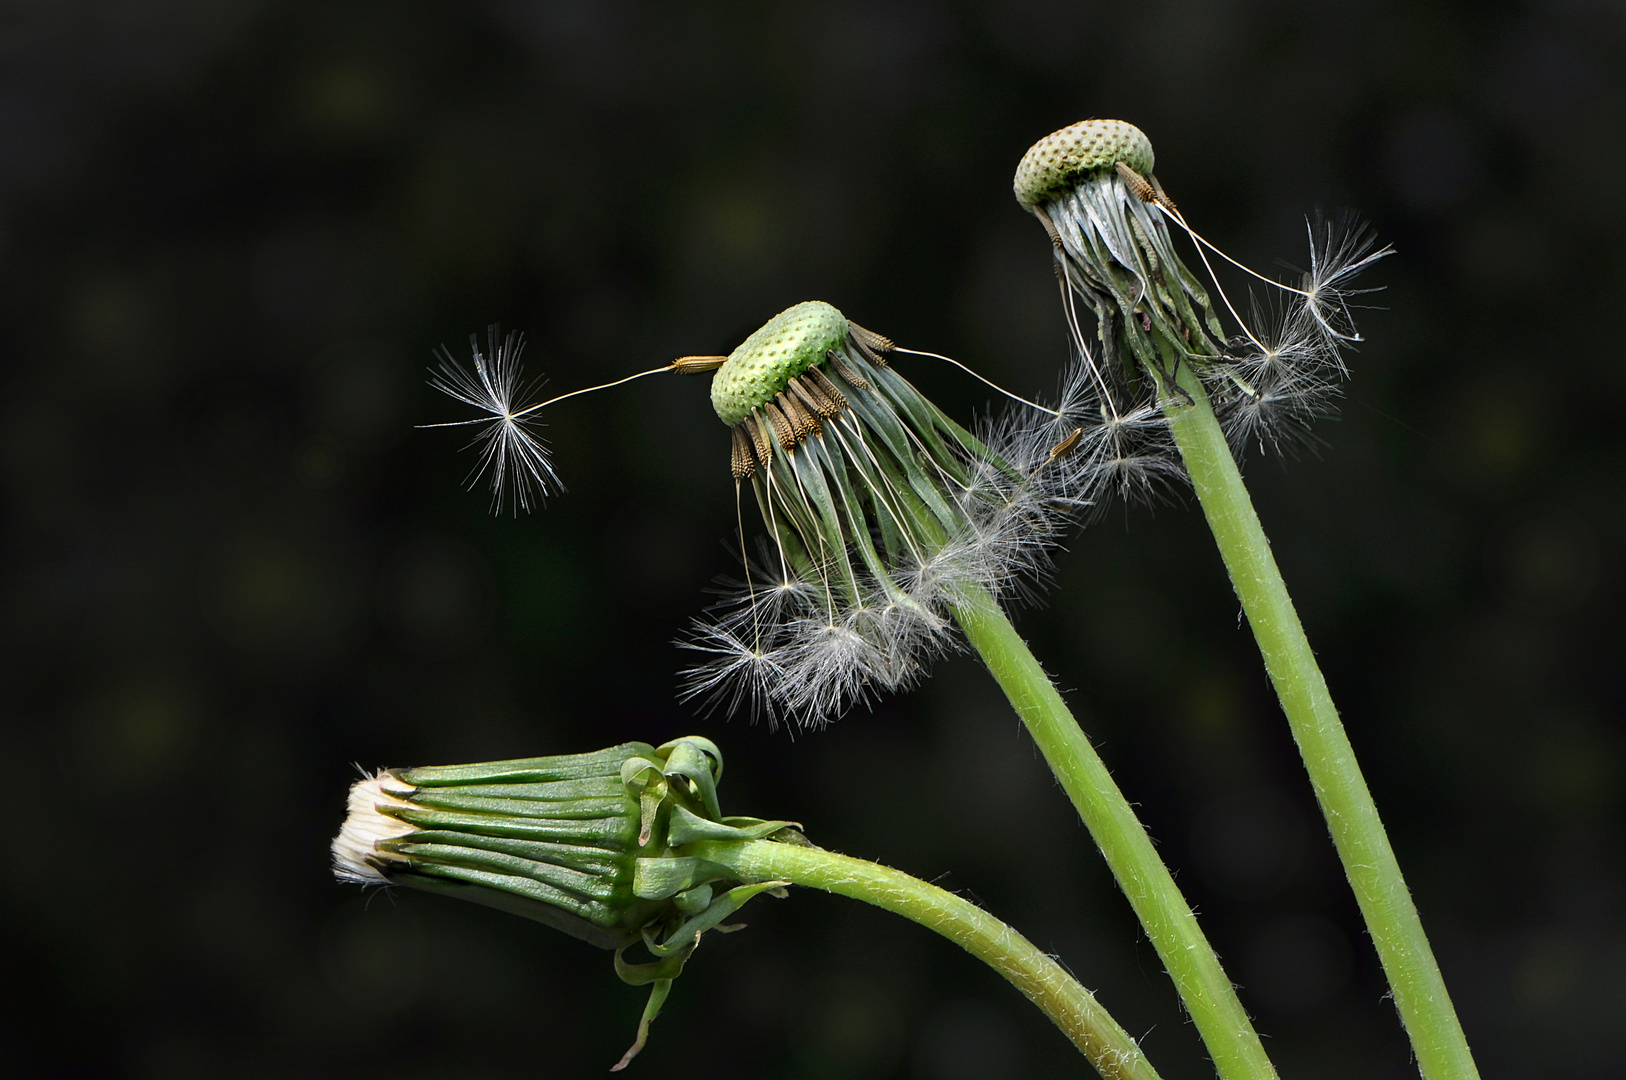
1340, 248
355, 850
1124, 449
512, 456
1272, 384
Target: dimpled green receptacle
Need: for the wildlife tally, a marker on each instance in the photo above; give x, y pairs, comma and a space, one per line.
787, 345
1056, 160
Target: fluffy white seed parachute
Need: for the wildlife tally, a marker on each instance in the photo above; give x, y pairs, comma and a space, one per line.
513, 457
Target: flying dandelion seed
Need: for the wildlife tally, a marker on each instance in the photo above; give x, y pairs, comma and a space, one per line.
513, 458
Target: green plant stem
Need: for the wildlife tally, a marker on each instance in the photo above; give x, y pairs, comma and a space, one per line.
1391, 917
1060, 996
1186, 954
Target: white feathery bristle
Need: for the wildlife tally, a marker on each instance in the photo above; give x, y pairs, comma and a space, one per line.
1340, 248
741, 671
512, 455
355, 848
833, 666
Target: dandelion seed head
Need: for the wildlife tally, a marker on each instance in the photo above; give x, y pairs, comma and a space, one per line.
882, 514
1154, 320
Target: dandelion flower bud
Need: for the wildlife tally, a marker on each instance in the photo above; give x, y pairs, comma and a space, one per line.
590, 844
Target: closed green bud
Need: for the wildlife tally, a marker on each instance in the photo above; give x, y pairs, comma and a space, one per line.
590, 844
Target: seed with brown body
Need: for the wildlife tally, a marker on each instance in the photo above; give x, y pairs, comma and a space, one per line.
1136, 183
741, 461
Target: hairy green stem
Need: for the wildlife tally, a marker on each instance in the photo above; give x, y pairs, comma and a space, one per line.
1391, 917
1186, 954
1057, 994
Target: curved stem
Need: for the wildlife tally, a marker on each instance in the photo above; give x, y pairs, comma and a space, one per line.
1391, 917
1163, 911
1058, 995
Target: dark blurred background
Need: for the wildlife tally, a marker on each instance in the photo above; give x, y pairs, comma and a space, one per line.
233, 231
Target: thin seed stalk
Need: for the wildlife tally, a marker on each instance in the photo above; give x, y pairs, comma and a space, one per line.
1046, 983
1168, 920
1386, 904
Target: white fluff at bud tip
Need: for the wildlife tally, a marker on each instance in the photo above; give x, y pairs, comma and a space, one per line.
355, 848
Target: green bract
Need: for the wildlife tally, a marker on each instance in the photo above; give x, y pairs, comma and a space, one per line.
1061, 157
787, 345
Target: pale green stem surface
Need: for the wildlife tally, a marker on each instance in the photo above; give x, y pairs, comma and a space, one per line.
1186, 954
1386, 904
1057, 994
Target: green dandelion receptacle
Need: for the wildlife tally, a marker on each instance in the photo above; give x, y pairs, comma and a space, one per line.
765, 363
1060, 158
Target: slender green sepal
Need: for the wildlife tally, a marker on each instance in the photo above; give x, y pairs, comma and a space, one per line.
712, 916
527, 770
685, 828
652, 1009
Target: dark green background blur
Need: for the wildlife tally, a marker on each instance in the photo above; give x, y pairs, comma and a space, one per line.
231, 232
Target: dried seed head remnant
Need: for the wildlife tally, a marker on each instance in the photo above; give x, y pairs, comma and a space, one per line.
880, 513
1091, 186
